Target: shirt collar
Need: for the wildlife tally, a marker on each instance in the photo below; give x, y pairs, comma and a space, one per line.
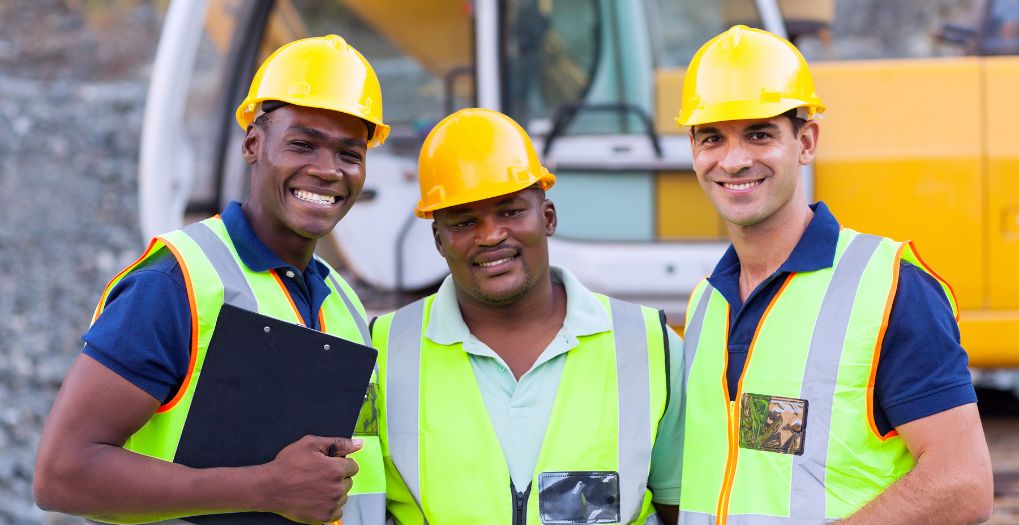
585, 314
252, 251
814, 251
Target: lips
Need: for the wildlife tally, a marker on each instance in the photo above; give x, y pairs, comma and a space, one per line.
493, 258
315, 197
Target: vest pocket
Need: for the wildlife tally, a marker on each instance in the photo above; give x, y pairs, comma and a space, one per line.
773, 423
578, 497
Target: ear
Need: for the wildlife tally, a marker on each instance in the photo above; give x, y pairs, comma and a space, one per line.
807, 138
437, 238
551, 219
252, 142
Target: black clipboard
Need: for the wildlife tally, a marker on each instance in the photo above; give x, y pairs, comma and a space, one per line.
266, 383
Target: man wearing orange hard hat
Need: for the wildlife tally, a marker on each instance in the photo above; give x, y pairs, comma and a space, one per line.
107, 451
826, 379
514, 394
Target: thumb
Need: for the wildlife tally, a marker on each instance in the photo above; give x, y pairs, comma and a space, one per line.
342, 446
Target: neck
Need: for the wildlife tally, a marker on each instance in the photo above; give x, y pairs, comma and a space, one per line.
764, 246
287, 245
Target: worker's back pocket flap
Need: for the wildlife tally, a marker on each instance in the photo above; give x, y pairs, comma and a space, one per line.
578, 497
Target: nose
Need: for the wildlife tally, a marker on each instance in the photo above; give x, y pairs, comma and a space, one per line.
326, 167
736, 159
490, 232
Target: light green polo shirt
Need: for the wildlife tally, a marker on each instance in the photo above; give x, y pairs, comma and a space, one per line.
519, 411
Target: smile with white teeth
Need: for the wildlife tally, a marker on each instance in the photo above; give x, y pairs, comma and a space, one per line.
742, 186
308, 196
495, 262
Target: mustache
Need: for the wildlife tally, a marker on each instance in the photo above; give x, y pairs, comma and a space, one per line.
499, 252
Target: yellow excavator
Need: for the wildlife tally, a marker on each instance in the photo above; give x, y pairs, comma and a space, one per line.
919, 141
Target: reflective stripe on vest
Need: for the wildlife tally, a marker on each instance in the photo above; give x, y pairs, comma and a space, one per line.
818, 341
214, 275
632, 436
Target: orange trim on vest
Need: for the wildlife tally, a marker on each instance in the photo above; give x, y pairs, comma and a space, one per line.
955, 298
116, 278
286, 293
321, 321
877, 349
722, 511
194, 332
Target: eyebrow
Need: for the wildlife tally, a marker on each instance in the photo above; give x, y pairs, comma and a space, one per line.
764, 126
456, 212
317, 134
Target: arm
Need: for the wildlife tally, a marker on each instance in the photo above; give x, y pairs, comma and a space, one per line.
951, 482
82, 469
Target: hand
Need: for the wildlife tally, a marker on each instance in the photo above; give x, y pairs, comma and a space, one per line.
310, 478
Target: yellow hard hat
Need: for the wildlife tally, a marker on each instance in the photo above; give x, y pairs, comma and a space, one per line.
476, 154
746, 73
321, 72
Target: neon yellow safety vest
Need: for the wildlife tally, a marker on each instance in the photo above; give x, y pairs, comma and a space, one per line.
800, 444
215, 275
444, 463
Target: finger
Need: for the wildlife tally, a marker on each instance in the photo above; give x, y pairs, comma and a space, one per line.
347, 467
343, 446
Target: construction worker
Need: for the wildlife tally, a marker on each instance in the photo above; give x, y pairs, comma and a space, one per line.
313, 109
825, 376
514, 394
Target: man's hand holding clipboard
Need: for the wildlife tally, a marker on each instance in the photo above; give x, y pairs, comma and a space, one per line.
284, 397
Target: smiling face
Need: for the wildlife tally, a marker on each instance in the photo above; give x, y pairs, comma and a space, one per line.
308, 167
496, 249
750, 169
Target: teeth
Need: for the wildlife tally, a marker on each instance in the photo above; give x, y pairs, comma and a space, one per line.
493, 263
744, 186
306, 195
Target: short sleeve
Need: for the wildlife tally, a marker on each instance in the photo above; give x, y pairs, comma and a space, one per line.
667, 455
143, 333
922, 368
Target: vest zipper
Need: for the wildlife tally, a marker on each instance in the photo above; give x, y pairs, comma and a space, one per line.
520, 504
730, 465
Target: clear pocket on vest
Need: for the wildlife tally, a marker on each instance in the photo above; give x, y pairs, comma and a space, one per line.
578, 497
368, 419
773, 423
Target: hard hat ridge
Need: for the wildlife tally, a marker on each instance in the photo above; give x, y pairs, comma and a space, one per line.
321, 72
476, 154
746, 73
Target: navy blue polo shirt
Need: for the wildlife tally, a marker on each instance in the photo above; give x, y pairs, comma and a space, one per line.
144, 332
922, 369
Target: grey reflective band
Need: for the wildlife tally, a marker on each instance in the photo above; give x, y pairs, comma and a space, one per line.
236, 290
632, 381
699, 518
365, 509
807, 494
693, 333
653, 520
403, 396
362, 326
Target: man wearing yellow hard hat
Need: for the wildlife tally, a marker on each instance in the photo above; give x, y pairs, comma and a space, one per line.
826, 379
514, 394
313, 110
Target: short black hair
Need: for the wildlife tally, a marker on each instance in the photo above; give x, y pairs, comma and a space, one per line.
795, 119
268, 106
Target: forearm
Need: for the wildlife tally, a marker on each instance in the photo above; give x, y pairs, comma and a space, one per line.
933, 492
109, 483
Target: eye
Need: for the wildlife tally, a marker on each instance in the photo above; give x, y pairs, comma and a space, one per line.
759, 135
352, 155
711, 139
461, 224
512, 212
300, 144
